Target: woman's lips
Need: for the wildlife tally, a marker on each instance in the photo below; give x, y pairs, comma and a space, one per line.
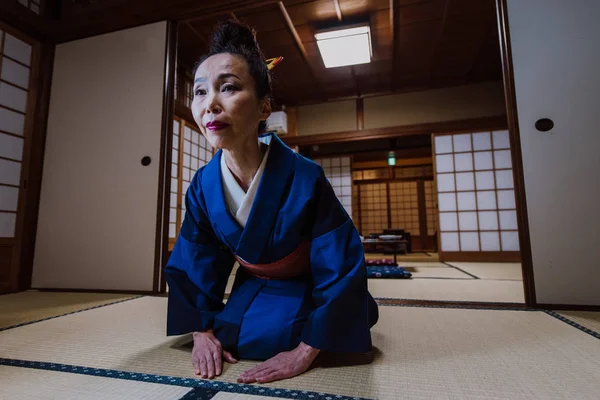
216, 125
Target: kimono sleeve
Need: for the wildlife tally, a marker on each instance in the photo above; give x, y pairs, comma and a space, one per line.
345, 311
197, 270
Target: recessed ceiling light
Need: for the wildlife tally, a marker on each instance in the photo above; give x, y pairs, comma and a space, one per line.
343, 47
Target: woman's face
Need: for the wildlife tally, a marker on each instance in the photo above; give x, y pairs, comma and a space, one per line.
225, 105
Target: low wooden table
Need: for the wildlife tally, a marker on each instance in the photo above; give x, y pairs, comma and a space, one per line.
398, 244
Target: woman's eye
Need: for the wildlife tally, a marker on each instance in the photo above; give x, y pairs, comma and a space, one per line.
229, 88
200, 92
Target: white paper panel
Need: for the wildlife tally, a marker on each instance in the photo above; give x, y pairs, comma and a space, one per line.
186, 161
347, 191
488, 220
445, 182
12, 122
7, 225
462, 143
484, 180
506, 199
482, 141
347, 180
11, 147
469, 241
447, 202
172, 230
489, 241
337, 191
448, 221
336, 162
508, 220
444, 163
15, 73
17, 49
463, 162
466, 201
467, 221
194, 164
346, 170
9, 198
186, 174
510, 241
483, 160
13, 97
501, 140
450, 242
187, 133
173, 199
173, 186
504, 179
337, 181
187, 147
176, 142
202, 154
195, 151
202, 141
486, 200
502, 159
176, 127
326, 162
195, 137
174, 155
465, 181
172, 214
346, 162
443, 144
174, 170
10, 172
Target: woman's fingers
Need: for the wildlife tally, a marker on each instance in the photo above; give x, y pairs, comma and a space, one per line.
196, 365
210, 366
229, 358
218, 362
271, 377
203, 367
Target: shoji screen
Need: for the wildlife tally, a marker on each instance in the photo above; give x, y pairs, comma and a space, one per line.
33, 5
15, 68
404, 206
339, 173
373, 208
475, 193
174, 220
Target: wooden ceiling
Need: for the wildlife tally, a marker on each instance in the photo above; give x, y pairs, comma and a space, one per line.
417, 45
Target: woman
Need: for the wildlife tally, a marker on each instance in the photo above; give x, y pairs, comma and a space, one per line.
302, 285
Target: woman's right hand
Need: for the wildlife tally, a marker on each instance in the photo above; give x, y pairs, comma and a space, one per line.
208, 354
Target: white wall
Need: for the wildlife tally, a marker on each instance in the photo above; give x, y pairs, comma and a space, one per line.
337, 116
97, 219
556, 63
429, 106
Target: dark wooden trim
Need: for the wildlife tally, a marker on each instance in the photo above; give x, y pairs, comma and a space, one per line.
480, 256
449, 304
567, 307
389, 208
422, 213
460, 126
292, 120
407, 179
360, 114
436, 43
516, 153
133, 292
185, 113
164, 170
25, 21
393, 33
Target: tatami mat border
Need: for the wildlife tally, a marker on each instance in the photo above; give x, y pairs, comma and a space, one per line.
184, 382
573, 324
72, 312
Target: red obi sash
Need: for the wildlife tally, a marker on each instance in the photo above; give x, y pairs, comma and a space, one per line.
293, 265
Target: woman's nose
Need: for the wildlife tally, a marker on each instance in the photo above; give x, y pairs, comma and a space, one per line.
213, 106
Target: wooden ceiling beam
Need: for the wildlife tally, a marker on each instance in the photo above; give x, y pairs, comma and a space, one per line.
234, 17
338, 9
482, 46
196, 33
437, 41
300, 46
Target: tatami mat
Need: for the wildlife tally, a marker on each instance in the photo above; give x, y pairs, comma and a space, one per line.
448, 290
422, 353
24, 384
509, 271
20, 308
588, 319
436, 272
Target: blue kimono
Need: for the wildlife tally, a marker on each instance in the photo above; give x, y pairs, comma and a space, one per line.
329, 308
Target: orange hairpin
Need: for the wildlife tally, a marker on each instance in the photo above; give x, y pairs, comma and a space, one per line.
273, 62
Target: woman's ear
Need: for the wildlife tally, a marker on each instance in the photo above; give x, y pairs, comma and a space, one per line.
266, 109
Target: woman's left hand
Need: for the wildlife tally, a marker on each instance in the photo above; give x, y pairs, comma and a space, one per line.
284, 365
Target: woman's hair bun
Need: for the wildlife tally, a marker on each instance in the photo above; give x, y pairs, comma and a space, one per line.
234, 37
